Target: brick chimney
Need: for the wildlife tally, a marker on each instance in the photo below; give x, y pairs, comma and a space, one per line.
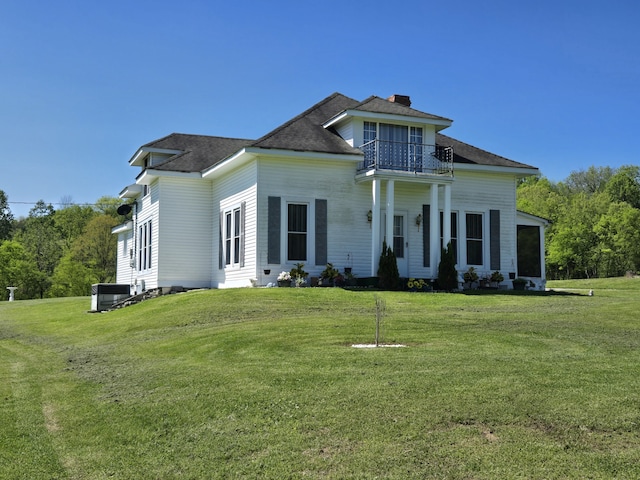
401, 99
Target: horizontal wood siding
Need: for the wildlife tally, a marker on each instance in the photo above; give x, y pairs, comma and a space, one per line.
184, 225
229, 192
148, 210
346, 132
348, 232
124, 272
481, 193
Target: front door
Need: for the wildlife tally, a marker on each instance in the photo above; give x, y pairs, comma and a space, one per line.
399, 243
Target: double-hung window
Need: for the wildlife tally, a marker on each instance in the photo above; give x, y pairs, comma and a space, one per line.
297, 231
144, 246
474, 239
233, 232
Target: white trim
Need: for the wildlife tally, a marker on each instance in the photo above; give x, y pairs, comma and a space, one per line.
284, 229
123, 227
131, 191
138, 157
147, 176
533, 219
402, 119
521, 171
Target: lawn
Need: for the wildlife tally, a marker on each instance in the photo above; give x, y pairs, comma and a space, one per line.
264, 383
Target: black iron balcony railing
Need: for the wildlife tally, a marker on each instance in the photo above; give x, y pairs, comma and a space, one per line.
407, 157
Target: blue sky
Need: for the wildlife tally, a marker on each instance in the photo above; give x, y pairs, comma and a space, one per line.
555, 84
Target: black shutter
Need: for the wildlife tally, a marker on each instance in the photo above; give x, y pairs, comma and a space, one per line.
494, 239
321, 232
243, 214
426, 241
273, 230
220, 252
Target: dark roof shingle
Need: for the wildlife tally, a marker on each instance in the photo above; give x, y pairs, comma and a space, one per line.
468, 154
199, 152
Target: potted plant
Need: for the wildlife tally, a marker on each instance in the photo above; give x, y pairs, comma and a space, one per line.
520, 283
284, 279
470, 277
496, 278
328, 275
298, 275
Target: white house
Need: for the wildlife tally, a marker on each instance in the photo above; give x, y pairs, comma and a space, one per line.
329, 185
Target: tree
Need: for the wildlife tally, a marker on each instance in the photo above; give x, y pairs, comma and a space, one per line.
71, 278
618, 235
108, 206
624, 186
6, 217
71, 222
18, 269
388, 276
96, 248
591, 181
447, 273
41, 240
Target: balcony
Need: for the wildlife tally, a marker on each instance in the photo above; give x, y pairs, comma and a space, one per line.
407, 157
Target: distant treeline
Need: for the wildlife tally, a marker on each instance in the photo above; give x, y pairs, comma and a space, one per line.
57, 253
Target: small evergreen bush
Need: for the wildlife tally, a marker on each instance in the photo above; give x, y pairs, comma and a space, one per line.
447, 273
388, 276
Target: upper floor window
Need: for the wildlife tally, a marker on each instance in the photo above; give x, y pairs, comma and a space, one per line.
370, 132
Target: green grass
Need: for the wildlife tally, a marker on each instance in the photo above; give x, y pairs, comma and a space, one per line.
264, 383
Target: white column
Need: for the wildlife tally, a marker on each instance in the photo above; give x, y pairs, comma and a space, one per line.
375, 226
446, 213
434, 231
390, 212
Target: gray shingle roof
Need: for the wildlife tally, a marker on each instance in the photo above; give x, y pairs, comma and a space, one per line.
468, 154
305, 132
199, 152
375, 104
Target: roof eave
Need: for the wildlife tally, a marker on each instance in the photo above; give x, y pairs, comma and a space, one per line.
442, 123
523, 171
137, 160
146, 177
250, 153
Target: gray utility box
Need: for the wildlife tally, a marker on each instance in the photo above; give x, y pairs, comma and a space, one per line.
106, 295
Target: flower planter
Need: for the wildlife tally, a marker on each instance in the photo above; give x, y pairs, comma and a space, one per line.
284, 283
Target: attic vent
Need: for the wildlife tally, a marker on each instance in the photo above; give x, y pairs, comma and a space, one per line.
401, 99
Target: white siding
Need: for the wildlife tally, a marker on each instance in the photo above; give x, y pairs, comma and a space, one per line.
480, 193
348, 231
231, 191
184, 247
345, 131
124, 272
148, 210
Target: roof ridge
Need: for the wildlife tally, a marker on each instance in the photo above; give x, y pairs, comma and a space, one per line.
299, 116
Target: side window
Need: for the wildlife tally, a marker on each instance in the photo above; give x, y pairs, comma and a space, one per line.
297, 231
144, 246
474, 239
233, 232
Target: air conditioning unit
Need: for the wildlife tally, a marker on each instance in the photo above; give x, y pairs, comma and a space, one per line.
105, 295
